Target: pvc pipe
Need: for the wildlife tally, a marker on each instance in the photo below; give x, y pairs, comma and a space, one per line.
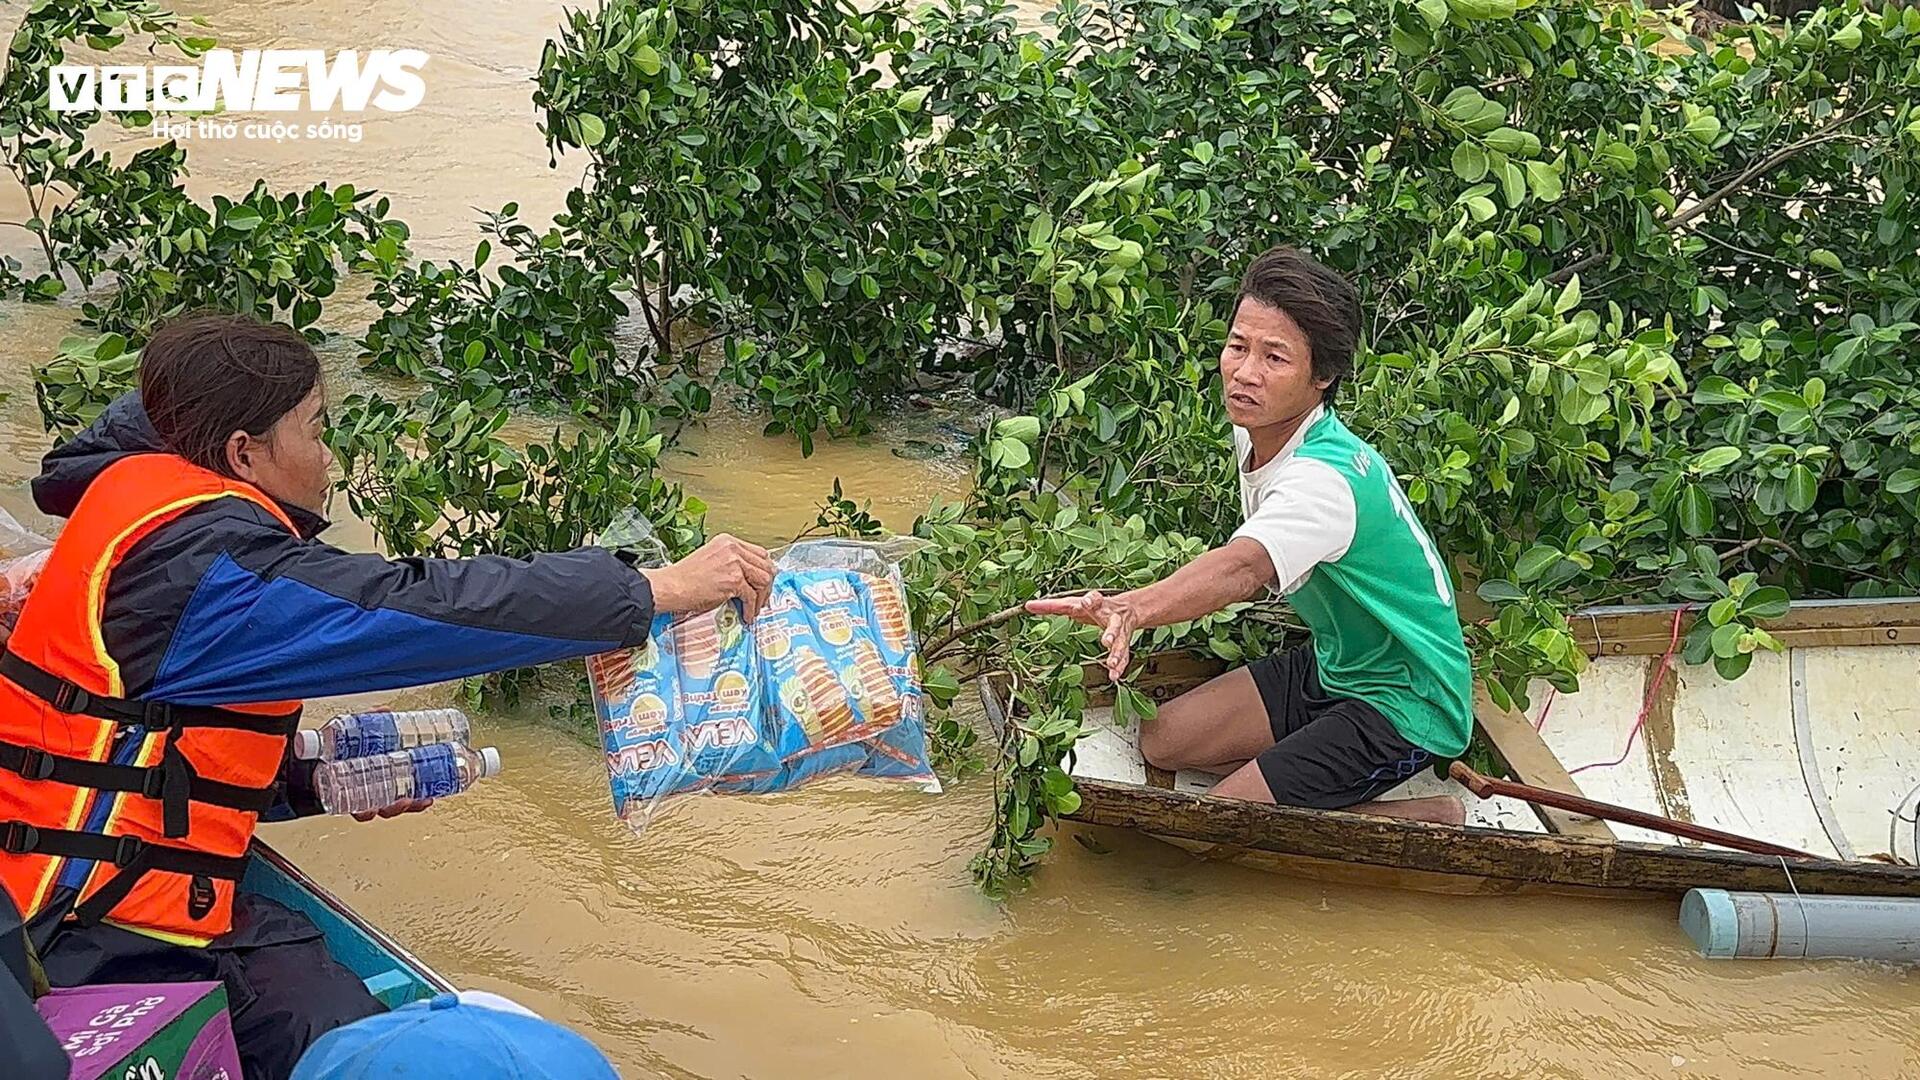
1753, 925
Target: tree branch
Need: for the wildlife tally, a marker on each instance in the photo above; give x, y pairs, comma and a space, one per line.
1004, 615
1768, 541
1753, 172
1714, 198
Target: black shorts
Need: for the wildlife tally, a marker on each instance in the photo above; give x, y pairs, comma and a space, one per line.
1328, 751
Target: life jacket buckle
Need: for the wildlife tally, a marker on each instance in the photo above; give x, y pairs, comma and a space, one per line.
126, 850
19, 838
156, 715
72, 699
153, 783
36, 764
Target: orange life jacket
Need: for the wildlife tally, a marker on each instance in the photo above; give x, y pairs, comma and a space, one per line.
166, 830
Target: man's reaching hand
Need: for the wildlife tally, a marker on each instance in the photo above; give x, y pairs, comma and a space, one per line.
1114, 615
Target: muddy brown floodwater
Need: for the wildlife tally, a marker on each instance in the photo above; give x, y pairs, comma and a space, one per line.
833, 932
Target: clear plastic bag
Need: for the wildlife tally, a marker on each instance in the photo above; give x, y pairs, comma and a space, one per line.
22, 555
825, 681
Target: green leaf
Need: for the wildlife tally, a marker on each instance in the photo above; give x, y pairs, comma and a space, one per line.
1040, 230
1703, 128
1479, 10
243, 218
912, 100
1781, 402
1569, 297
1544, 179
1469, 162
1722, 611
1715, 459
1057, 782
1616, 157
1011, 453
1726, 639
1513, 142
1766, 602
1696, 511
1535, 562
1823, 257
1718, 390
1434, 12
1513, 183
1025, 429
1802, 488
1732, 667
1499, 591
1621, 504
593, 130
1903, 481
816, 283
1706, 561
647, 59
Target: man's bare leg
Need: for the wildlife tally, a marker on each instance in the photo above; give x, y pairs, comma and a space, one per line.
1216, 726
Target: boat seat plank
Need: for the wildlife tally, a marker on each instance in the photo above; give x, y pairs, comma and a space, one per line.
1531, 761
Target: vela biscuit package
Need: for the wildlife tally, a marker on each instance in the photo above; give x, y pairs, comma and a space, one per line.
824, 681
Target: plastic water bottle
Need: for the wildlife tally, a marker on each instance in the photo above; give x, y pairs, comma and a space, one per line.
357, 785
380, 731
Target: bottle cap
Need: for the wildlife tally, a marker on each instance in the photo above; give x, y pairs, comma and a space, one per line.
489, 761
306, 744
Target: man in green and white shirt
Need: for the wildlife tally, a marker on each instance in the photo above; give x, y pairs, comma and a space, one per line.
1385, 687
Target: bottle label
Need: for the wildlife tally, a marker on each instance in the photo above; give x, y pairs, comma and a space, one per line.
366, 734
436, 771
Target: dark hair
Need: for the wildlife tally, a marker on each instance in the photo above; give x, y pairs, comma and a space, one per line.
205, 377
1323, 304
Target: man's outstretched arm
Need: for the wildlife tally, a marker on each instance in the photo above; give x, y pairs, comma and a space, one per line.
1235, 571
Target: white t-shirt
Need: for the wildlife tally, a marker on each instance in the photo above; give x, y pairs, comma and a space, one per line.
1300, 510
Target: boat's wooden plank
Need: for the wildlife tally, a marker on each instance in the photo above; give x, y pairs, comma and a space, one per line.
1647, 631
1586, 729
1571, 862
1528, 759
1391, 877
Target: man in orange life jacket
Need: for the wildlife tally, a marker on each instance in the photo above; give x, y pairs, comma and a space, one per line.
149, 688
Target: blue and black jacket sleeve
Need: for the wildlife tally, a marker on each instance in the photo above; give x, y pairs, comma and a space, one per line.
223, 606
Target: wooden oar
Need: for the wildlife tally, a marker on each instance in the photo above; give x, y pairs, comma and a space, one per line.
1484, 786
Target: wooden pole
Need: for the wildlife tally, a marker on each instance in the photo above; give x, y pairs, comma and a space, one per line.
1484, 786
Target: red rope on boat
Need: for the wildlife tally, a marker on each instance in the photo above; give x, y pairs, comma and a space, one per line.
1646, 703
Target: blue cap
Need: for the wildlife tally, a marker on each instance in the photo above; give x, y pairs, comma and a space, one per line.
451, 1037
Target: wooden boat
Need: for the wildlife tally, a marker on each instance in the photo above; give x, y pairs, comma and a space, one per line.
391, 973
1816, 749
